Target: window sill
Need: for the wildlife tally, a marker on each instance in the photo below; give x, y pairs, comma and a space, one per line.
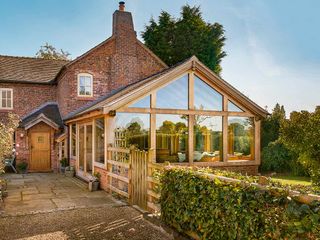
83, 98
100, 165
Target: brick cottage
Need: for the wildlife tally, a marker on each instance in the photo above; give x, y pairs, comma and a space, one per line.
120, 94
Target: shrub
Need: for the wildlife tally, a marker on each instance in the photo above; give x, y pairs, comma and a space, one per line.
64, 162
22, 167
213, 209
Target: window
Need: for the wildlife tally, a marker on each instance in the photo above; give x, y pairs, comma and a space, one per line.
207, 139
132, 129
85, 85
233, 108
171, 138
205, 97
6, 97
99, 140
174, 95
142, 103
73, 140
240, 138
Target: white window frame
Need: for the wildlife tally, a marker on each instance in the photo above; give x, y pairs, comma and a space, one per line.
78, 88
7, 90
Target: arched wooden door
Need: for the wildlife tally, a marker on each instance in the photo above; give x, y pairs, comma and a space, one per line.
40, 152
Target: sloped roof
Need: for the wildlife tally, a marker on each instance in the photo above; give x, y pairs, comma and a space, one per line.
191, 62
49, 110
29, 70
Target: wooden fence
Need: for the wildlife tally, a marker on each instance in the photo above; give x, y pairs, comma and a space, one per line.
128, 175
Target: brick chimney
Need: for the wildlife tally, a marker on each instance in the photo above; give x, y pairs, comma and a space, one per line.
125, 63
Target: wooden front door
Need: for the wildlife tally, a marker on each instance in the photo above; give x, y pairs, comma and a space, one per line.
40, 152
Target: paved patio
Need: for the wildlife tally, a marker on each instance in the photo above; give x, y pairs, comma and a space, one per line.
52, 206
38, 192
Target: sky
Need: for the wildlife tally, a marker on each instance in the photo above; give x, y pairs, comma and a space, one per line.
273, 46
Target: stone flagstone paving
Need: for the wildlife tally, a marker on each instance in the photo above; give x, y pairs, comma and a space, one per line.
37, 192
51, 206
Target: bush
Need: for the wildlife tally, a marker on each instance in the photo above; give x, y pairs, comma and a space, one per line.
22, 167
276, 157
223, 210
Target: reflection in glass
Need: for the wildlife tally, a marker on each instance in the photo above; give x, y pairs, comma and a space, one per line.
142, 103
233, 108
89, 148
171, 138
73, 139
99, 140
81, 148
240, 138
205, 97
174, 95
132, 129
207, 139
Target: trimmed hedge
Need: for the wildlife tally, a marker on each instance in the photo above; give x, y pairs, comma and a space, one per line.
213, 209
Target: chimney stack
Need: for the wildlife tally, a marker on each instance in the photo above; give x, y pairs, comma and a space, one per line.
121, 6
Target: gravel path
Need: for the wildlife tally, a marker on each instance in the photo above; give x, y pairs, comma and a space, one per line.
108, 222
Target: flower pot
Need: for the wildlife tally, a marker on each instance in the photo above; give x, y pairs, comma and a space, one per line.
93, 186
62, 169
69, 173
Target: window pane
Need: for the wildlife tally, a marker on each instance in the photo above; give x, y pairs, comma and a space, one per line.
73, 140
82, 81
99, 140
88, 81
88, 91
207, 139
4, 103
233, 108
174, 95
205, 97
9, 95
9, 103
171, 138
240, 138
132, 129
89, 148
81, 148
4, 94
142, 103
82, 90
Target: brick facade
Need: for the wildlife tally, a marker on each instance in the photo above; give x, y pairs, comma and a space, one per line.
117, 62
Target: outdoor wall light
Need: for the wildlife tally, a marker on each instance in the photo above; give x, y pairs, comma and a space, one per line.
21, 135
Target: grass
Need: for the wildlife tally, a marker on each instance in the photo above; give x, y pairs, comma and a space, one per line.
292, 180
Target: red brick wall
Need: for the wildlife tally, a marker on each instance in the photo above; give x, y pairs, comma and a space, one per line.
27, 97
250, 170
117, 62
103, 179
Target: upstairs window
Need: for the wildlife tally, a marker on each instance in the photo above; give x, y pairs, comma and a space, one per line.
85, 82
6, 98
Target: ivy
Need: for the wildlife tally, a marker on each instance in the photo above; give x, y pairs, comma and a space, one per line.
215, 209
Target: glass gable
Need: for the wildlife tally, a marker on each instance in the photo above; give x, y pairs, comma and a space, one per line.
174, 95
233, 108
142, 103
205, 97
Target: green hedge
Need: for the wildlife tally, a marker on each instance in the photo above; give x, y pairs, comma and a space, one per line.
218, 210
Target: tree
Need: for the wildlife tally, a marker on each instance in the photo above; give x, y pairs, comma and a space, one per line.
47, 51
301, 135
271, 125
7, 128
174, 40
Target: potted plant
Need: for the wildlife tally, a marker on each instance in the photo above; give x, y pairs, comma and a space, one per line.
63, 165
69, 171
22, 167
94, 182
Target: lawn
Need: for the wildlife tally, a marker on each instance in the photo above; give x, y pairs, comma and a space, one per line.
289, 179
